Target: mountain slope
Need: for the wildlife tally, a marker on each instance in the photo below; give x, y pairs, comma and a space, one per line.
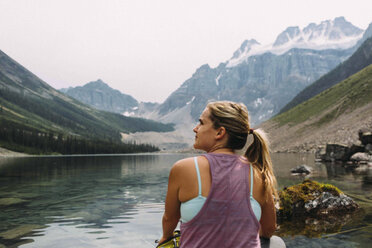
335, 115
99, 95
360, 59
30, 105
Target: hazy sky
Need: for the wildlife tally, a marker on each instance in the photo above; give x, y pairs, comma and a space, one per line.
148, 48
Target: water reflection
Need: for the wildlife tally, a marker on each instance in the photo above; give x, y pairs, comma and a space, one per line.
117, 201
80, 193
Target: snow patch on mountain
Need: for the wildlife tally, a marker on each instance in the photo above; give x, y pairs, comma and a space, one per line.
330, 34
217, 80
192, 99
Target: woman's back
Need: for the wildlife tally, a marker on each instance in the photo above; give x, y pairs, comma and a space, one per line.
190, 187
226, 219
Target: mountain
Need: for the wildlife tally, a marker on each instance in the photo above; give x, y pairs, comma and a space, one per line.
329, 34
335, 115
265, 83
32, 111
267, 77
263, 77
99, 95
359, 60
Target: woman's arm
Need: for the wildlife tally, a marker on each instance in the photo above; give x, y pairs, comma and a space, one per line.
268, 216
172, 204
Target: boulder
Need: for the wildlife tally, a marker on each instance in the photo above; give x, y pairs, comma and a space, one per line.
327, 203
361, 156
314, 200
365, 136
335, 152
301, 169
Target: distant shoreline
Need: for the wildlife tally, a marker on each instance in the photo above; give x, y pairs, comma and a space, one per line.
5, 153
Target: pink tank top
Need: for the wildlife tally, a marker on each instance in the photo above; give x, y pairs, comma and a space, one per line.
226, 218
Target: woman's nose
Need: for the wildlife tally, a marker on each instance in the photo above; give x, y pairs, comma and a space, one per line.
195, 128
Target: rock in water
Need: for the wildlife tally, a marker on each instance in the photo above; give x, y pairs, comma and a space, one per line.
336, 152
315, 200
301, 169
361, 156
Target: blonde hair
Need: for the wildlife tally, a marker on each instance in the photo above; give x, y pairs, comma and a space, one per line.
235, 119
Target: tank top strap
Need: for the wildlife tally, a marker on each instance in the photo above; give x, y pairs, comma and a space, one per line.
251, 189
198, 174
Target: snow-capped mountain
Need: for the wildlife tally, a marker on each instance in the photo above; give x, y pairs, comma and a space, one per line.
263, 77
245, 48
330, 34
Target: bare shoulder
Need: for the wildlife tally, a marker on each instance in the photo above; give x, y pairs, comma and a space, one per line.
183, 162
182, 165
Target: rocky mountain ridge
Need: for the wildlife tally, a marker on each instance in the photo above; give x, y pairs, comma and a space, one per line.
99, 95
329, 34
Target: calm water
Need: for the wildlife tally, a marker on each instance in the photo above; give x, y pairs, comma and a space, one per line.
117, 201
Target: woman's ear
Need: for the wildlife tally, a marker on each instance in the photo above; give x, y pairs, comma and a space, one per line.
221, 132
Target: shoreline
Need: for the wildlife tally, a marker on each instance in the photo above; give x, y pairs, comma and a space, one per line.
5, 153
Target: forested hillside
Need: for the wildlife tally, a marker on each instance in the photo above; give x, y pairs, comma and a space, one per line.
34, 116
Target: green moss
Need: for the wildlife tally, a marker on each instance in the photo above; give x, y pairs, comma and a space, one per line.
301, 193
331, 188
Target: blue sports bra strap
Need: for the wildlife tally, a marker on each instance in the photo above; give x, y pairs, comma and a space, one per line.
251, 189
198, 174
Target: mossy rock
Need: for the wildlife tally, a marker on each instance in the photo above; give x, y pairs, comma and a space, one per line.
313, 199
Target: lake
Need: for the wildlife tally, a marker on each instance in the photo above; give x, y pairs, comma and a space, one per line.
118, 201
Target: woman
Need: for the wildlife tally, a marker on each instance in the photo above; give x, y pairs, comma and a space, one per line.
212, 194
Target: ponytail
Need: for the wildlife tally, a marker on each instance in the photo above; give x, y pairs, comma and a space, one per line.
258, 153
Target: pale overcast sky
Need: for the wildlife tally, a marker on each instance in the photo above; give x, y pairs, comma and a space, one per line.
148, 48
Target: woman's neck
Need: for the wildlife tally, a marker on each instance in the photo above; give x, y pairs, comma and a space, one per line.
221, 150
